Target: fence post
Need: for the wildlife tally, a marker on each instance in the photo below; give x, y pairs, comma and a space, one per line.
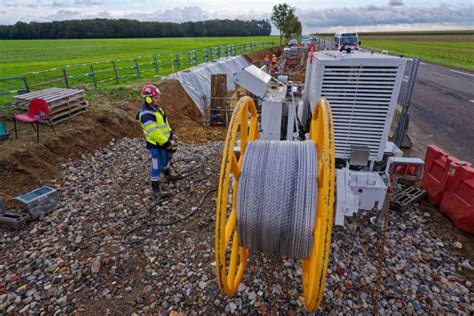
137, 68
115, 71
195, 57
155, 62
92, 75
65, 77
25, 84
218, 52
177, 61
212, 48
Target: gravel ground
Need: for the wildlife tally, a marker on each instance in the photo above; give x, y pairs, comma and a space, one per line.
108, 249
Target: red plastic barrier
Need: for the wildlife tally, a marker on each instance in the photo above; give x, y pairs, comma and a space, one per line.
458, 200
435, 174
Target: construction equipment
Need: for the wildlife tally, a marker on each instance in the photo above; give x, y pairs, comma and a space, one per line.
266, 158
230, 272
39, 202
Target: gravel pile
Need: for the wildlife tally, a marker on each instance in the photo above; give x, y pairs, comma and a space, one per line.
111, 249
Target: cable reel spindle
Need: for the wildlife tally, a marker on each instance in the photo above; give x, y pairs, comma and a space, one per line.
308, 169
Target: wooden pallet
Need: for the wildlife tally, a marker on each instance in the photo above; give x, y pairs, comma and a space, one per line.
67, 115
62, 103
53, 98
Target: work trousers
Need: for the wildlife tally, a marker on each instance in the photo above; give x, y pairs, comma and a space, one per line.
159, 161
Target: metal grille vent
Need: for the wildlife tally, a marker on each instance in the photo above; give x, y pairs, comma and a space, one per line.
362, 105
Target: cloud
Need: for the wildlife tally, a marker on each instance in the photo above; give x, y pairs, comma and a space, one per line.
63, 15
21, 5
393, 15
89, 2
395, 3
374, 16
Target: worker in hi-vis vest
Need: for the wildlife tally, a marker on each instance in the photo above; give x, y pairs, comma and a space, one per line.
266, 60
160, 139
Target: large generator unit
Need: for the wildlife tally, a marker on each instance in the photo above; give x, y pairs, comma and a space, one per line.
362, 88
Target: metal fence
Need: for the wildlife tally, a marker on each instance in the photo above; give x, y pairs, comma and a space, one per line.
118, 70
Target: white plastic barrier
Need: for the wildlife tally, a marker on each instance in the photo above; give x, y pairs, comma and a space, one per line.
197, 80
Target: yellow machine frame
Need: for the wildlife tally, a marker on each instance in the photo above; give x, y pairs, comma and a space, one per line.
315, 266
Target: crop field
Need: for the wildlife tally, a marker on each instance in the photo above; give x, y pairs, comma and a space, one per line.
449, 48
453, 49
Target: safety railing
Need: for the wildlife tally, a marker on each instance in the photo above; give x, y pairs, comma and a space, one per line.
119, 70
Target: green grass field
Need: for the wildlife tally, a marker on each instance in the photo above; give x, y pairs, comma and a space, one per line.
20, 56
449, 53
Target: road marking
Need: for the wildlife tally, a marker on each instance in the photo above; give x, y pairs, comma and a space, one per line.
472, 101
462, 73
423, 63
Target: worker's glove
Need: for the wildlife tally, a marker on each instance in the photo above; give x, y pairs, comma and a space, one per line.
173, 147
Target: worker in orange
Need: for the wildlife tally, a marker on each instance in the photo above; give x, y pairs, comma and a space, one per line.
266, 60
160, 138
274, 59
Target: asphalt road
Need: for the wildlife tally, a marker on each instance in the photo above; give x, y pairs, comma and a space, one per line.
442, 111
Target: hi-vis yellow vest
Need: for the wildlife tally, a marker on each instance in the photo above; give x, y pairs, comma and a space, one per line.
157, 131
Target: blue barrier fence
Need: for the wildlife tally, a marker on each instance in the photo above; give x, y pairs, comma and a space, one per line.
119, 70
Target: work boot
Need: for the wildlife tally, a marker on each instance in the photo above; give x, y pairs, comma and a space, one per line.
157, 191
170, 177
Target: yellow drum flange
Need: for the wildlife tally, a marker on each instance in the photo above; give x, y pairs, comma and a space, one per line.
230, 275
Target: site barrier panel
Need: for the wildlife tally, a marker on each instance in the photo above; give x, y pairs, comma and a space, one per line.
438, 168
458, 199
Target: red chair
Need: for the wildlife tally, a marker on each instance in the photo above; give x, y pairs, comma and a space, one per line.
37, 112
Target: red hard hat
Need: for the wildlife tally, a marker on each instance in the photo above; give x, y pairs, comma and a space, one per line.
150, 91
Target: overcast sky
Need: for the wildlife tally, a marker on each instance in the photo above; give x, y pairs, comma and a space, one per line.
315, 15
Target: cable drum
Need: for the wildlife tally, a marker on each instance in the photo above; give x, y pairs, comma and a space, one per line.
277, 197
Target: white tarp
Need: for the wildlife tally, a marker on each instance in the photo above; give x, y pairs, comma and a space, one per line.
197, 80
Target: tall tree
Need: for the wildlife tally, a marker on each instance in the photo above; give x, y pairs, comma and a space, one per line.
292, 26
280, 14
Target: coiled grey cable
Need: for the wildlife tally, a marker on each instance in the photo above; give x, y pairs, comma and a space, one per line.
277, 197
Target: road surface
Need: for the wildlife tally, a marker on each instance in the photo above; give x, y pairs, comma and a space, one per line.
442, 111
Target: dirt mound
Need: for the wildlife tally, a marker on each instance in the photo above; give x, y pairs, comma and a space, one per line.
25, 164
184, 116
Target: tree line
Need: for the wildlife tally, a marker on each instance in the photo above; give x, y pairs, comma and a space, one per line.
124, 28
